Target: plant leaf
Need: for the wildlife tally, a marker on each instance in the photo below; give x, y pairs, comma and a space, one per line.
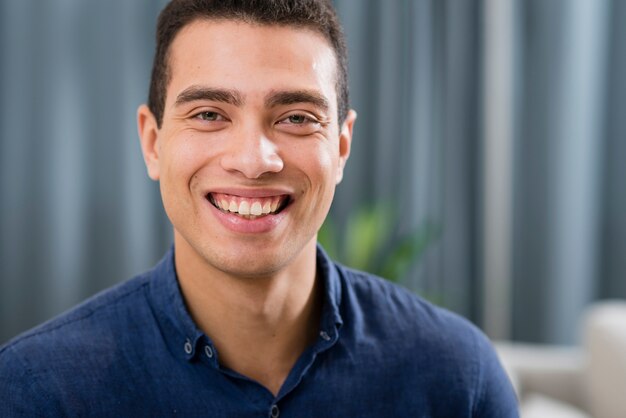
327, 237
366, 232
407, 252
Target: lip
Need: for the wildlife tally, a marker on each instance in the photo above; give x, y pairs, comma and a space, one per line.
237, 224
252, 193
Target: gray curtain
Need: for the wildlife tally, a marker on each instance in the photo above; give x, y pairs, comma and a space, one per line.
570, 199
500, 120
443, 93
77, 211
414, 71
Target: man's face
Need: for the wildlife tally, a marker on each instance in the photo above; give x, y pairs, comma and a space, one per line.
249, 151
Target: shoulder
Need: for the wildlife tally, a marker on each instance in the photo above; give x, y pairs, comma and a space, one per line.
382, 301
89, 335
100, 311
429, 346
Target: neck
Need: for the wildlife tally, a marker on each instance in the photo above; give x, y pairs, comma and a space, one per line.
278, 314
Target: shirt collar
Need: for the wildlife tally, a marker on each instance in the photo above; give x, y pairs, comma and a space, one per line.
328, 274
181, 333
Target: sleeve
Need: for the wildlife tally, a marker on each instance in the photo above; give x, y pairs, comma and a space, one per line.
19, 389
495, 396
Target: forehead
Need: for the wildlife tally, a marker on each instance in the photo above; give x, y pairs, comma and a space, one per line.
251, 58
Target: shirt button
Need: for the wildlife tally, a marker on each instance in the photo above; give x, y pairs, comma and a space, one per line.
325, 335
275, 412
188, 348
208, 351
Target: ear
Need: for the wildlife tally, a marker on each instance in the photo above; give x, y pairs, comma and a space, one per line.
148, 136
345, 140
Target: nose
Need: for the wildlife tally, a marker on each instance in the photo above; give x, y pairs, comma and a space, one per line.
252, 154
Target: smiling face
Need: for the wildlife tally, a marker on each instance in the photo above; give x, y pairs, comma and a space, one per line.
249, 151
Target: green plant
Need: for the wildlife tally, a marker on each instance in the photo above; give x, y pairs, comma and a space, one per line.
368, 242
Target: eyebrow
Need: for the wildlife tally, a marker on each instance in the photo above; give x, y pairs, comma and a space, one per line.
196, 93
282, 98
234, 97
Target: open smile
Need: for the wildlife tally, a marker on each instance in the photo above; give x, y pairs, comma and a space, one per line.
249, 208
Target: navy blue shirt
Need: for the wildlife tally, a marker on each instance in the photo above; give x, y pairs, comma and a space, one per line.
133, 350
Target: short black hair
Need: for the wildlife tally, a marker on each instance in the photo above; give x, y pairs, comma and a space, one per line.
316, 15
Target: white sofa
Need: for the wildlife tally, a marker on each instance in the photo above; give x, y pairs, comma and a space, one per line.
574, 382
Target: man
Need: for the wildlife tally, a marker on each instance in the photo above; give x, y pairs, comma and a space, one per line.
248, 130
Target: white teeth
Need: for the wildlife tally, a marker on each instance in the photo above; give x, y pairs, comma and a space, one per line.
244, 208
249, 208
256, 209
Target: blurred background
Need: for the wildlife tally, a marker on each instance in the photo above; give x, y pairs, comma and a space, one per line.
486, 173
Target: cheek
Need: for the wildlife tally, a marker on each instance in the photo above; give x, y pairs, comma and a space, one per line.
318, 162
320, 167
183, 157
327, 161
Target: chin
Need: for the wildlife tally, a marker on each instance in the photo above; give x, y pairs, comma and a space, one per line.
243, 258
250, 265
